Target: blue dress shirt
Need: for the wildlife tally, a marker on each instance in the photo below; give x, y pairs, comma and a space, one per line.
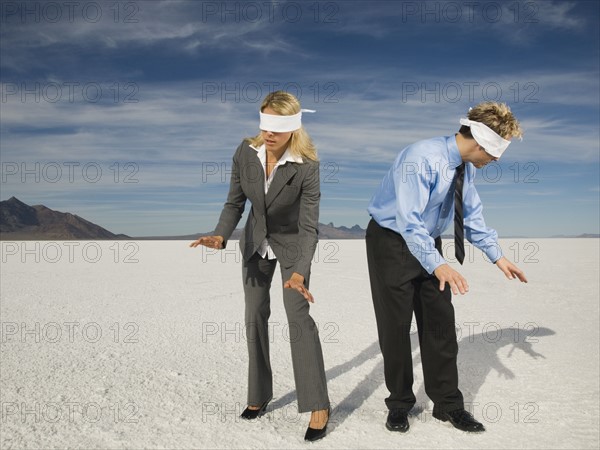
416, 200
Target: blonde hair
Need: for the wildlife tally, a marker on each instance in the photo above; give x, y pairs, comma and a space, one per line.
286, 104
497, 116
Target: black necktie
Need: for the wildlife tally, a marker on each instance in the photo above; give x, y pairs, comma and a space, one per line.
459, 230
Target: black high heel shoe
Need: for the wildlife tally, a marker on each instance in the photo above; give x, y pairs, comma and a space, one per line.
250, 414
314, 434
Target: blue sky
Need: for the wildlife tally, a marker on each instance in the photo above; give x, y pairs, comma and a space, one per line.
128, 113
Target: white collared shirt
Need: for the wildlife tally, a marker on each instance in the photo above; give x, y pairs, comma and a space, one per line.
265, 249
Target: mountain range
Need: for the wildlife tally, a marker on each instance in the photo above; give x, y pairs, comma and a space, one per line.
19, 221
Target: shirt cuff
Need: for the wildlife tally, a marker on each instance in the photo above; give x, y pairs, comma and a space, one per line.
493, 252
431, 260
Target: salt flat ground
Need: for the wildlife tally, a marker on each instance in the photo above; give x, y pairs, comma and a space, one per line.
142, 345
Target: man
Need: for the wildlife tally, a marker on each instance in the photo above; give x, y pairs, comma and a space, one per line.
412, 207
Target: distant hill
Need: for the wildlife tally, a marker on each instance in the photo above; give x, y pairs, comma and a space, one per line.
19, 221
328, 231
585, 236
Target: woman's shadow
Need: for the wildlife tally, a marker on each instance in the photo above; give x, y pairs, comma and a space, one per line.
372, 351
477, 358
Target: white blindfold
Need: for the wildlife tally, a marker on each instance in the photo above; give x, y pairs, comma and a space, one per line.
282, 124
492, 142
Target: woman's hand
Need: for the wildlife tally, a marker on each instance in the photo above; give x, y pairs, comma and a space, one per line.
296, 281
209, 241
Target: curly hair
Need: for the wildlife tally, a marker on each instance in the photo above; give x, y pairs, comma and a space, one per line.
497, 116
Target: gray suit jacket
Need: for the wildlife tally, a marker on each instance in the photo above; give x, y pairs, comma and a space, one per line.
287, 216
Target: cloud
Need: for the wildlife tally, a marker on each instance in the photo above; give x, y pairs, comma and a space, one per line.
184, 27
516, 22
193, 121
181, 87
560, 15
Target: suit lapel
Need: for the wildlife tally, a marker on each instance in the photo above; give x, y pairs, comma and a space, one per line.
282, 176
259, 185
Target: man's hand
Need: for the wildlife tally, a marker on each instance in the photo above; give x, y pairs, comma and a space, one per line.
296, 281
455, 280
209, 241
510, 270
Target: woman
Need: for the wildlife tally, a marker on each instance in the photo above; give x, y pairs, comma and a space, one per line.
278, 172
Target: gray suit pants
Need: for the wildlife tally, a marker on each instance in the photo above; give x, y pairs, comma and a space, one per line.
307, 356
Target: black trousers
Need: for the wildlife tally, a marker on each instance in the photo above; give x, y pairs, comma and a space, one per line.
399, 286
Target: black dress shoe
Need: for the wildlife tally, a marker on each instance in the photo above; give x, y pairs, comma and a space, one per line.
397, 420
461, 419
314, 434
250, 414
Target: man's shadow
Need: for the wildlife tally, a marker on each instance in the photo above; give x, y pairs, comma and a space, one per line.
477, 358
